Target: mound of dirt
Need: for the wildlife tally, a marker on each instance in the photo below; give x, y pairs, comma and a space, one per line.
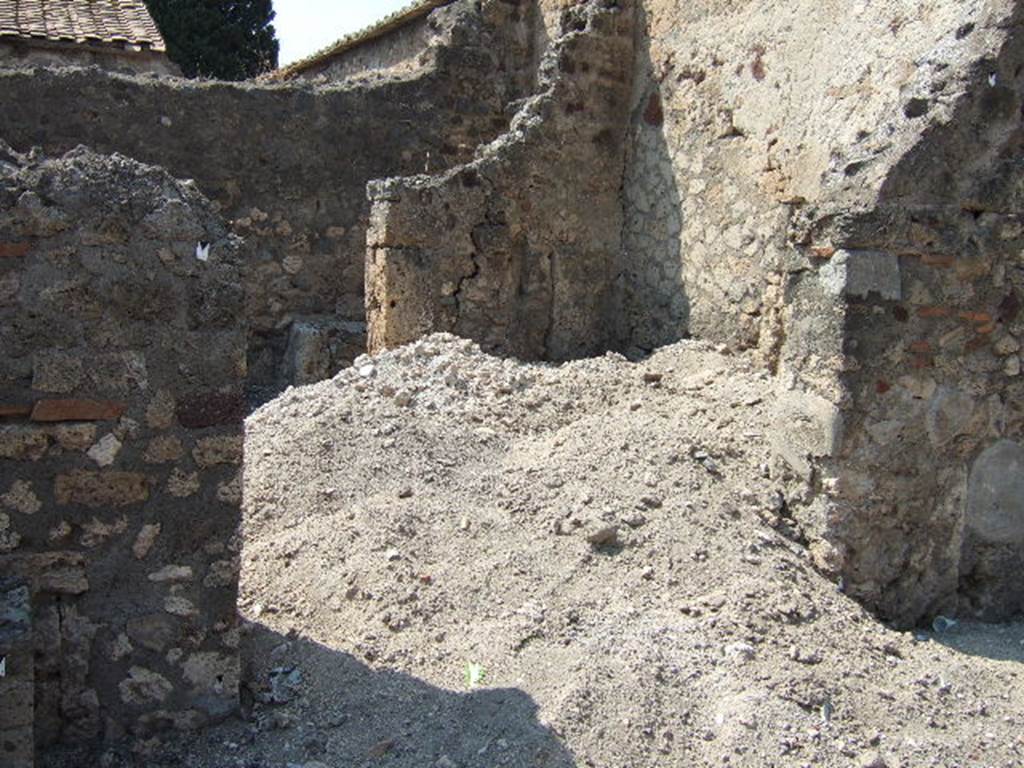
457, 560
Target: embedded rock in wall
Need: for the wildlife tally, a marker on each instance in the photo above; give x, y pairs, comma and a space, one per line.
17, 675
518, 249
120, 388
992, 565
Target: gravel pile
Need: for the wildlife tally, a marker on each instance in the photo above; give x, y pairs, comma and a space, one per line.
457, 560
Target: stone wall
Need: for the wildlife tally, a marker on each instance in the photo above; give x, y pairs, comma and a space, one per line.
926, 507
121, 400
288, 164
517, 249
853, 224
744, 116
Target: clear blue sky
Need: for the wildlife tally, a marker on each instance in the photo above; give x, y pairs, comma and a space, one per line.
306, 26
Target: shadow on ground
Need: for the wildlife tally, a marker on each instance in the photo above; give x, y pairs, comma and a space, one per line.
999, 642
306, 703
350, 714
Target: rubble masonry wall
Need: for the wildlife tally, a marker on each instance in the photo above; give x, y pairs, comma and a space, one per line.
517, 249
121, 407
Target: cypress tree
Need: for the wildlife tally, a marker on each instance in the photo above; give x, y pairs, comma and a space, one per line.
223, 39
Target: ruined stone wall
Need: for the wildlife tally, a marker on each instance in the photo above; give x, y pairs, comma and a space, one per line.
500, 32
121, 399
743, 114
287, 165
783, 198
517, 249
927, 511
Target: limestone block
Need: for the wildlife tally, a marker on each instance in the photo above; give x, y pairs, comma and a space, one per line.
9, 538
96, 531
21, 498
55, 371
161, 409
805, 426
214, 677
101, 489
60, 573
171, 573
104, 452
143, 686
155, 631
74, 437
949, 415
995, 494
145, 540
860, 273
176, 605
230, 491
23, 443
182, 484
222, 573
163, 450
212, 451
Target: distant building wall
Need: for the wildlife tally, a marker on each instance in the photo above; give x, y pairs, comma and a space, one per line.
31, 53
403, 51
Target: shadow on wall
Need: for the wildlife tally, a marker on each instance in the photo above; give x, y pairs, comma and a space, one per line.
654, 307
934, 421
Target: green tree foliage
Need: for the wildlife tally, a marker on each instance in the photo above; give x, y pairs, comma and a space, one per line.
224, 39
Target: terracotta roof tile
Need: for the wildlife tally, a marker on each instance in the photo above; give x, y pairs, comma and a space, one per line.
115, 22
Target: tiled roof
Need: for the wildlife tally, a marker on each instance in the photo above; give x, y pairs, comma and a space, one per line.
112, 22
396, 20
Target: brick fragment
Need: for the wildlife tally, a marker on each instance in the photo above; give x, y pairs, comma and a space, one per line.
979, 318
77, 410
937, 260
933, 312
13, 250
15, 410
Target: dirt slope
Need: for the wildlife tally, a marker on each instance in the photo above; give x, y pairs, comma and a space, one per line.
455, 560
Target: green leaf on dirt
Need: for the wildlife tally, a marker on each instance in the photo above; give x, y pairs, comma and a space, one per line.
475, 674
